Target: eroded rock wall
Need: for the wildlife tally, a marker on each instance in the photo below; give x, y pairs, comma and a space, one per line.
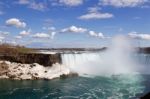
29, 58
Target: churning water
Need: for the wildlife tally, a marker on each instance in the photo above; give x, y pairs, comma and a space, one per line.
100, 87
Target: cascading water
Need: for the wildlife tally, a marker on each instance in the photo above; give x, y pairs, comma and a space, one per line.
84, 63
144, 61
116, 60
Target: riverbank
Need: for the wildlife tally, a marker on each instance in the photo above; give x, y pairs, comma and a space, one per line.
18, 71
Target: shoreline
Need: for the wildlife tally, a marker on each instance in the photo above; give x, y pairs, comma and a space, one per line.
18, 71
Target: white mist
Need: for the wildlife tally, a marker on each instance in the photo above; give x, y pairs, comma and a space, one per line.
115, 60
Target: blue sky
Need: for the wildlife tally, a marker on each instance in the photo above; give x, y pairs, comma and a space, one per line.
73, 23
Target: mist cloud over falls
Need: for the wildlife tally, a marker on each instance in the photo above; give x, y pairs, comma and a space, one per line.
117, 59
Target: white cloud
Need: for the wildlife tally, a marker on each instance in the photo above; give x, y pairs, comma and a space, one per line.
24, 33
94, 9
71, 2
136, 35
94, 13
4, 33
41, 35
38, 6
94, 34
96, 16
15, 22
18, 37
1, 37
123, 3
74, 29
52, 35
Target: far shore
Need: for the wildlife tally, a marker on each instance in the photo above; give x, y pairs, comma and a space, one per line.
145, 50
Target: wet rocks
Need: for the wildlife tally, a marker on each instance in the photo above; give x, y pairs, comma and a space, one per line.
20, 71
64, 76
3, 68
147, 96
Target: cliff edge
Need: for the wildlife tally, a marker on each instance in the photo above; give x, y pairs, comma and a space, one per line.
29, 58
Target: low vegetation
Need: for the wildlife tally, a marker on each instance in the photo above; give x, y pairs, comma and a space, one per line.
7, 49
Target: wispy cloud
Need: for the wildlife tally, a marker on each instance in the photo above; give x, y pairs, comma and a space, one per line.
18, 37
97, 35
23, 2
122, 3
25, 33
71, 2
136, 35
1, 39
1, 12
74, 29
95, 13
4, 33
136, 18
41, 35
40, 6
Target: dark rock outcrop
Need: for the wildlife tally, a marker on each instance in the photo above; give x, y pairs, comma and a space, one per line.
29, 58
145, 50
64, 76
147, 96
3, 68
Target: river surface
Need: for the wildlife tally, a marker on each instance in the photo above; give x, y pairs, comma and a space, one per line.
113, 87
118, 86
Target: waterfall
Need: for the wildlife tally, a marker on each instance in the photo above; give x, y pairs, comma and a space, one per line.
73, 60
82, 63
119, 58
97, 63
144, 61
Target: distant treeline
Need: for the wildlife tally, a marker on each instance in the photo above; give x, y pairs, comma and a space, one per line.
139, 49
72, 49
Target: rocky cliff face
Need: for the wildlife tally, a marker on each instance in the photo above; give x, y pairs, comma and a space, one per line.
145, 50
29, 58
